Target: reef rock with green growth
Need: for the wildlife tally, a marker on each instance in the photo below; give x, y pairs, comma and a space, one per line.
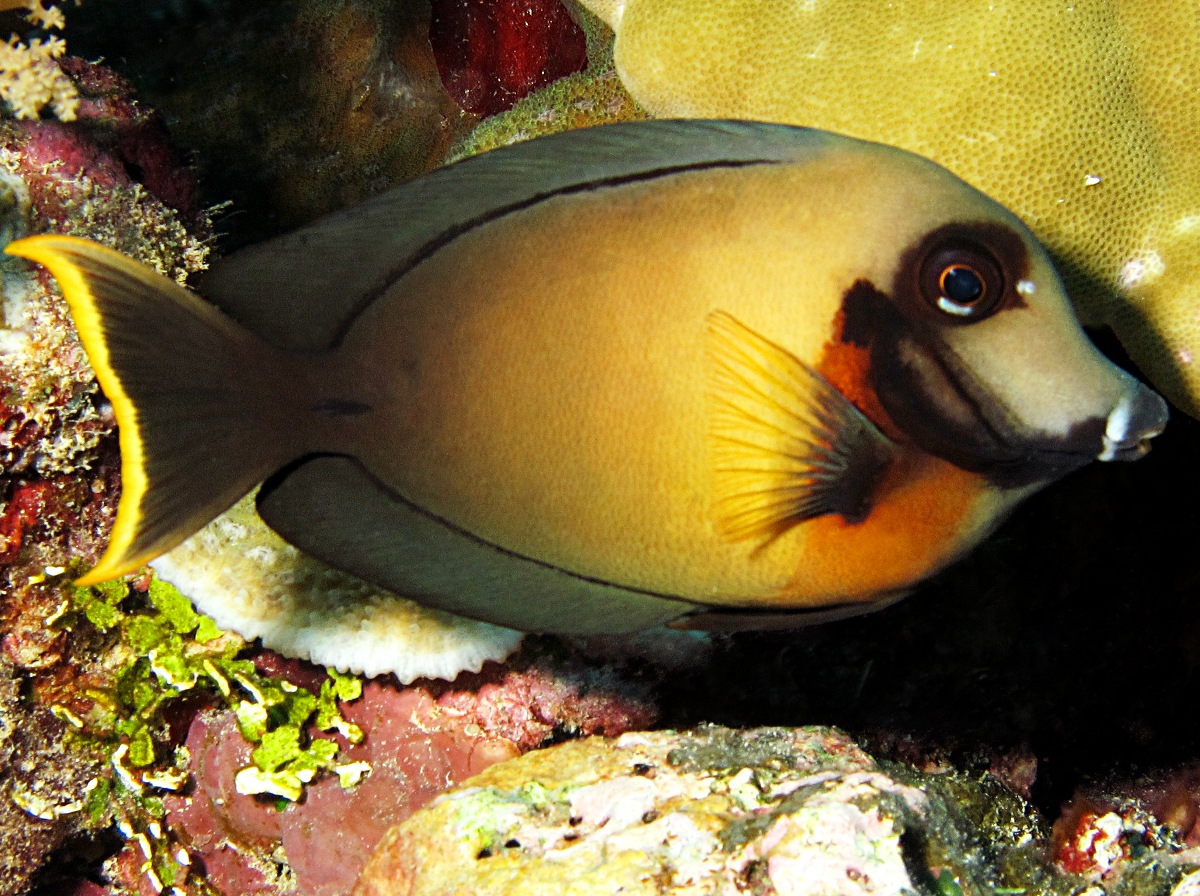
785, 812
713, 810
58, 476
109, 174
292, 815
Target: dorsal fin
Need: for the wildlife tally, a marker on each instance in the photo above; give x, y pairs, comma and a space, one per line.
301, 290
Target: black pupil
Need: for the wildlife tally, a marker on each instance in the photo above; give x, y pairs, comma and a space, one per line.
961, 284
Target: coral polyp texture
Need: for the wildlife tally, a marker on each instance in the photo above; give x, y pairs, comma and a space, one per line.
262, 587
1081, 118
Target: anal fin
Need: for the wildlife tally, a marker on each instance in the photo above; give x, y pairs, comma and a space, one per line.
785, 445
332, 508
735, 619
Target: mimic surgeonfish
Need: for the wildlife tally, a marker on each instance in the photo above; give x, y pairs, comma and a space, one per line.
705, 373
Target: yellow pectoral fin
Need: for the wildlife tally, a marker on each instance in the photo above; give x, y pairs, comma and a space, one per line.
785, 445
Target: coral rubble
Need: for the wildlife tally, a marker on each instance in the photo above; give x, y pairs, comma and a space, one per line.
801, 811
43, 785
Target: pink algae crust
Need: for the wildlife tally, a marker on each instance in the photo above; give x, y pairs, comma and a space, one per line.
114, 141
247, 844
528, 703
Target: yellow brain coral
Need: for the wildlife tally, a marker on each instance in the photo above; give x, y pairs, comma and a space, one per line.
1083, 117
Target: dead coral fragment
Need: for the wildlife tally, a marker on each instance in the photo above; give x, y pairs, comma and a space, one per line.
30, 78
253, 582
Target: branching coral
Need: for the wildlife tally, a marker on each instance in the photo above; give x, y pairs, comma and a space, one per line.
30, 78
37, 12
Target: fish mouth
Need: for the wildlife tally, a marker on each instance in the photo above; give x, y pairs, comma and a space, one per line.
1113, 451
1124, 435
941, 406
1019, 456
1139, 416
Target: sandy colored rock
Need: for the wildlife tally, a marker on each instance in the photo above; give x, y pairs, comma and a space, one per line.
787, 811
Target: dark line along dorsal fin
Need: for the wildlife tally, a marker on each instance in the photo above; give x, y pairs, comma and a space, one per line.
785, 445
301, 290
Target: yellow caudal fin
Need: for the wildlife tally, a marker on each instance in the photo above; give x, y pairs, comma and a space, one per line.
188, 387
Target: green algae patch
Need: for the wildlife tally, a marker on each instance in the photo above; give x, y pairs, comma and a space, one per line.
156, 651
489, 818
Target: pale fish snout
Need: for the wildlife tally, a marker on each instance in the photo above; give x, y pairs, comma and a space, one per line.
1139, 416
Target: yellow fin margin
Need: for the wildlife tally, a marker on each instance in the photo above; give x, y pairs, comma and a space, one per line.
57, 254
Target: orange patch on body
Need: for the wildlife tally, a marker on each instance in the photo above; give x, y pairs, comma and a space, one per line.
927, 513
848, 367
924, 514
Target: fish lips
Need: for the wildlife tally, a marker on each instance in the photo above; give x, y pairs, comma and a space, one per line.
935, 400
1139, 416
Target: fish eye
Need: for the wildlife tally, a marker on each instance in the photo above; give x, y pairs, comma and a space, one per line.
961, 284
962, 281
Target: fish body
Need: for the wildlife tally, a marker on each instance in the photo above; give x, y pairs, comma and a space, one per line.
713, 374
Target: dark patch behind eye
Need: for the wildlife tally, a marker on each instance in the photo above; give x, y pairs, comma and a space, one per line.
863, 309
1002, 243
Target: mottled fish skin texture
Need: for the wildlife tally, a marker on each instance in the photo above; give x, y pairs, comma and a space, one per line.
799, 374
